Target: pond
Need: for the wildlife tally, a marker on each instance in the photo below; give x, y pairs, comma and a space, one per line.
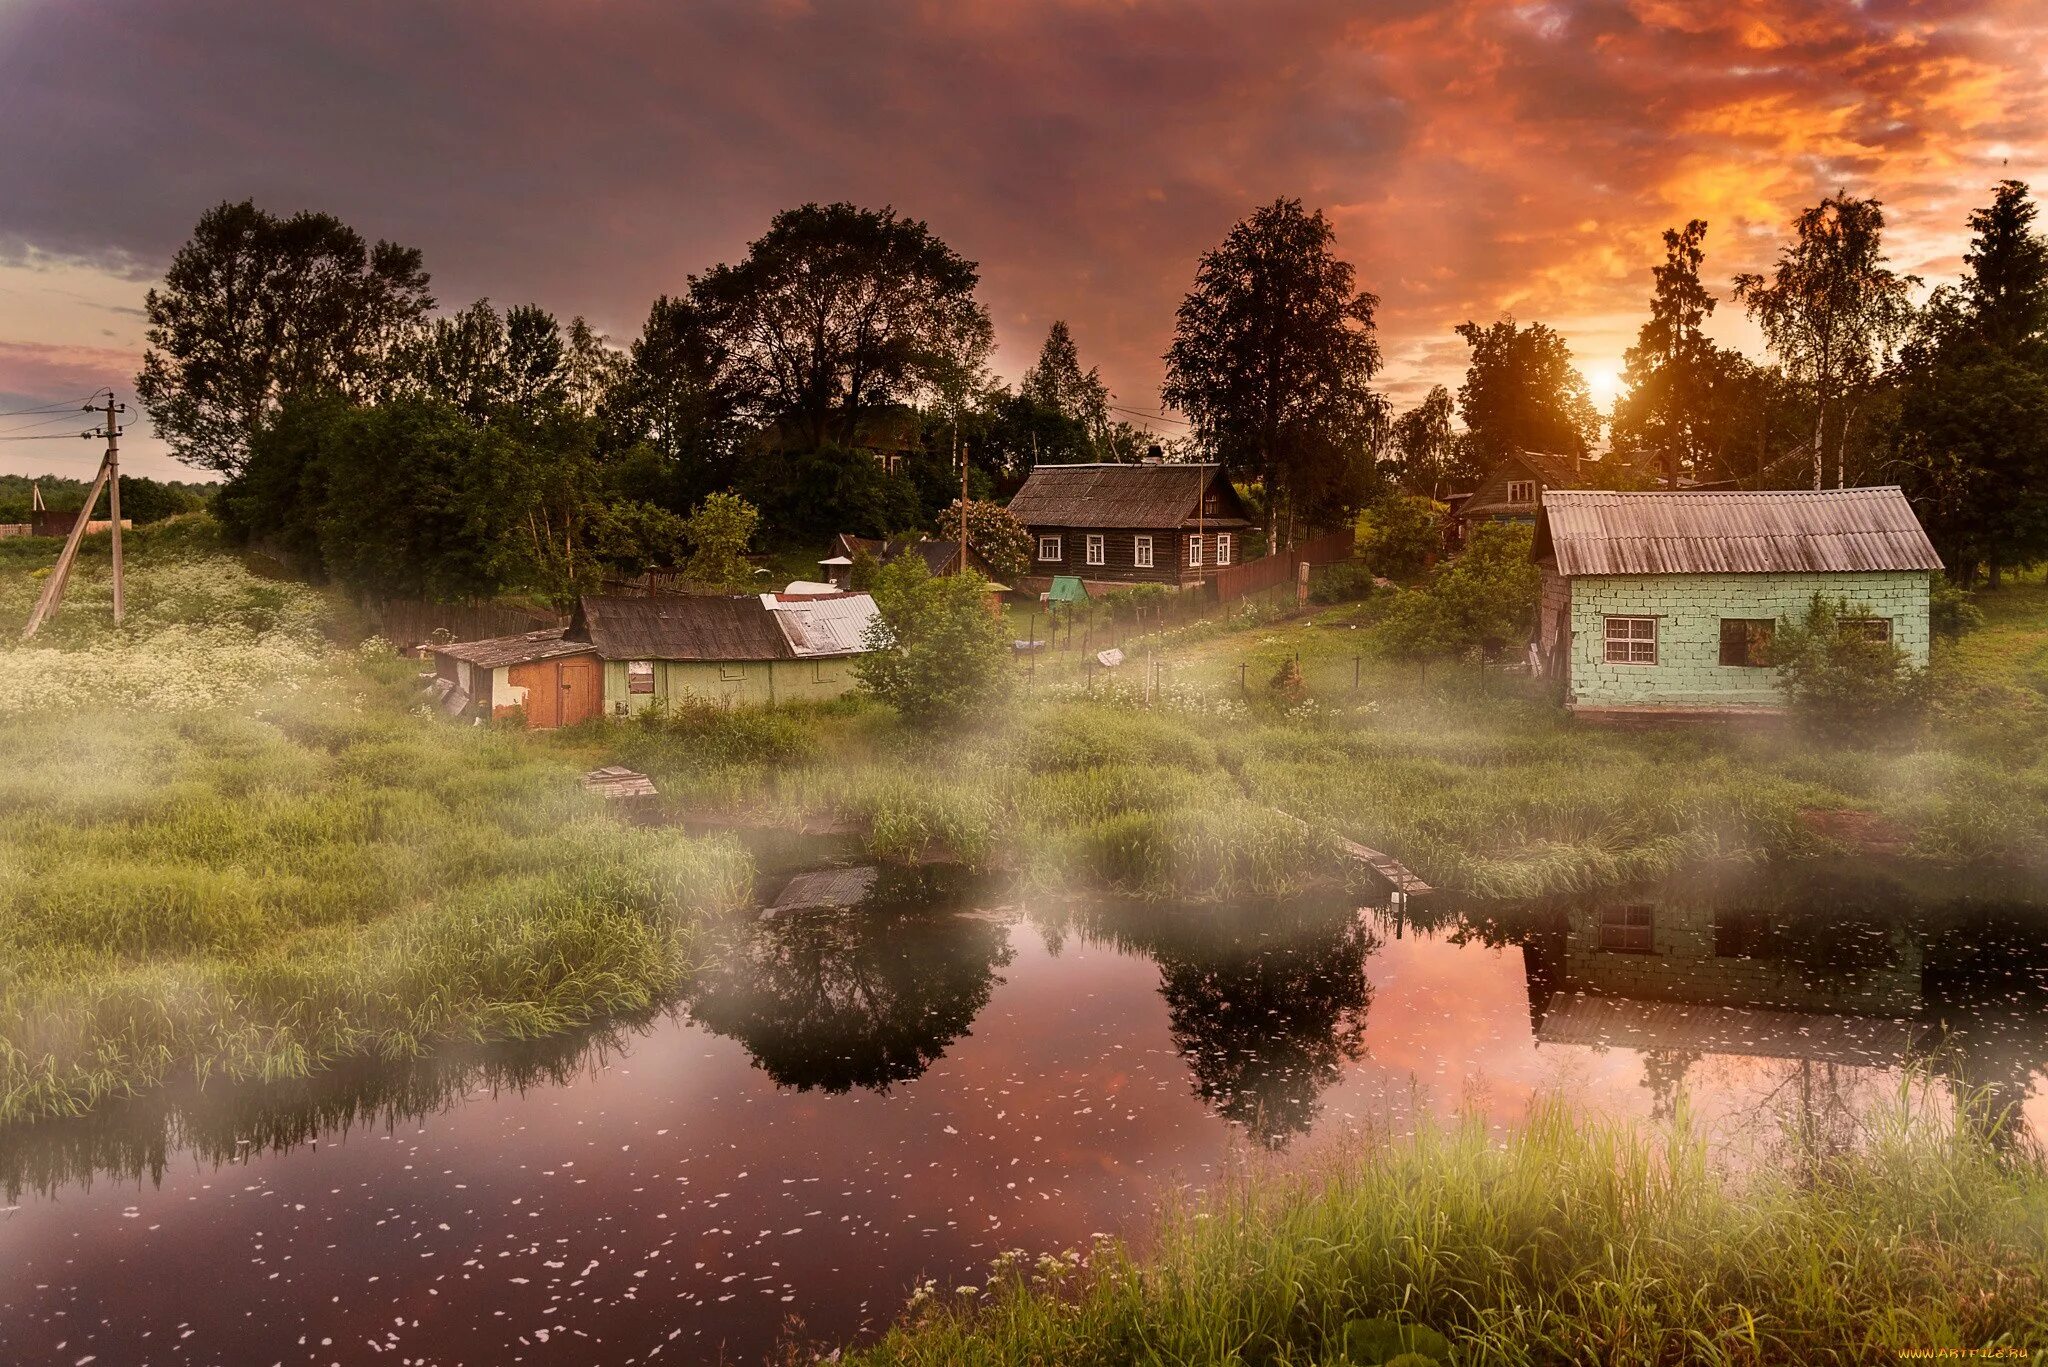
848, 1101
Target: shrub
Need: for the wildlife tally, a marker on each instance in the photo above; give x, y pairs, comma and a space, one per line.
1842, 678
718, 530
1340, 583
1403, 532
936, 652
1950, 610
1484, 600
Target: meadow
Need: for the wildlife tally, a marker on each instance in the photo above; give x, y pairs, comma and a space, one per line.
1571, 1241
230, 848
1187, 773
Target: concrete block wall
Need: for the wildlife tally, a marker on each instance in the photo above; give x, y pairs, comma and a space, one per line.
1689, 609
741, 683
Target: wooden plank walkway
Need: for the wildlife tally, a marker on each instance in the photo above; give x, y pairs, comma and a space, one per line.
1398, 875
1386, 866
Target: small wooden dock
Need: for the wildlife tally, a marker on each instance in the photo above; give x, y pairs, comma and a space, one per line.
1399, 875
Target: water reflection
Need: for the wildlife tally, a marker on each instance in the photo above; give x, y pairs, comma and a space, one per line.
867, 991
1266, 1003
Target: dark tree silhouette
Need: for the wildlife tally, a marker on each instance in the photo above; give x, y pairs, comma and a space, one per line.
868, 999
256, 309
1272, 356
1522, 392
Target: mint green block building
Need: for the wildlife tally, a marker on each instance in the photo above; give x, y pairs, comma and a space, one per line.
1665, 601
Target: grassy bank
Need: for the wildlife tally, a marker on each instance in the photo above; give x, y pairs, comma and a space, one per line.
1472, 778
1569, 1243
229, 849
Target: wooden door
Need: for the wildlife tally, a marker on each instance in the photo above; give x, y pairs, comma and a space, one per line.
580, 695
543, 693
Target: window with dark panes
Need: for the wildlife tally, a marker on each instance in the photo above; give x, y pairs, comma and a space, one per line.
1876, 628
640, 676
1746, 641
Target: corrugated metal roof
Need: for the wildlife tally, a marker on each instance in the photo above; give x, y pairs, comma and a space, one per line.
1757, 1032
511, 650
1165, 496
817, 627
1724, 532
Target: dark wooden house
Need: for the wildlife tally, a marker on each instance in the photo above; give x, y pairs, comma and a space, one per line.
1112, 525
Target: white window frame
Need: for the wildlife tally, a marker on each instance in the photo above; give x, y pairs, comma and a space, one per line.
1195, 551
1141, 552
1876, 628
1223, 548
1630, 639
1058, 548
1525, 487
637, 673
1097, 552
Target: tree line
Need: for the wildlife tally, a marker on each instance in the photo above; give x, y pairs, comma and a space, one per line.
836, 375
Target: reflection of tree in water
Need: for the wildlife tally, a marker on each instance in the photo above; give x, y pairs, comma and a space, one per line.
135, 1138
1266, 1004
864, 998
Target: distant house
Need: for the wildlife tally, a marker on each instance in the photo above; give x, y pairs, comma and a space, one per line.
940, 557
1516, 485
1112, 525
619, 656
1665, 600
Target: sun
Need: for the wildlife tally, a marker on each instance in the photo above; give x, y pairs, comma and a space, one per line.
1603, 383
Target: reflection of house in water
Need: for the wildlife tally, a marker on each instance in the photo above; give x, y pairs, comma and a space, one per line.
1706, 978
1859, 974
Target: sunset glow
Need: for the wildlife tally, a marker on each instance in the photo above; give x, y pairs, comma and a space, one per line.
1477, 157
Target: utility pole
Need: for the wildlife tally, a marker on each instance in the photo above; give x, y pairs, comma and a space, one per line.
110, 470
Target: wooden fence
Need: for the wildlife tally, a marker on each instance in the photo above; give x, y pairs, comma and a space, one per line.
408, 622
1253, 576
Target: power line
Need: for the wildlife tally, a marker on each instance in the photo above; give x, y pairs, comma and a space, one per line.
54, 436
70, 407
50, 421
1156, 417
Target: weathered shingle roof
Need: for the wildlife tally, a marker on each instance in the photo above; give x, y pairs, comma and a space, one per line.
1714, 532
1115, 496
512, 650
671, 627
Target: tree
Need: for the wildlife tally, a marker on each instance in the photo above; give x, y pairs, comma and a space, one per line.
935, 653
675, 393
1430, 457
1972, 429
1666, 410
2007, 265
1058, 384
1832, 311
592, 368
993, 533
1272, 356
718, 530
837, 310
255, 309
1522, 393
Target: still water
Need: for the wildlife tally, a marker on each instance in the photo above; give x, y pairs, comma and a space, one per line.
849, 1101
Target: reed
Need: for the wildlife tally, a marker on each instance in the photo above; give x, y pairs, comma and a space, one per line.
1566, 1242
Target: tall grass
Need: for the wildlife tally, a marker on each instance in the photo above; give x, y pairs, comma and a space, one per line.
1569, 1242
257, 872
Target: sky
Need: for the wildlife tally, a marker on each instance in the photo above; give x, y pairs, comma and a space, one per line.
1477, 159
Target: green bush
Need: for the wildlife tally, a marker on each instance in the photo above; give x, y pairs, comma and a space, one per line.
1403, 532
1483, 602
1341, 583
936, 653
1845, 679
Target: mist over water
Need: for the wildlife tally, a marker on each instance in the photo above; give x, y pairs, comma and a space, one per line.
847, 1102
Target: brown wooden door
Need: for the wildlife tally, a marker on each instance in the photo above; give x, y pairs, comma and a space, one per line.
543, 692
580, 696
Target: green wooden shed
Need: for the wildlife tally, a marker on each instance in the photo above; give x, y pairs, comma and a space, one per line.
1664, 601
